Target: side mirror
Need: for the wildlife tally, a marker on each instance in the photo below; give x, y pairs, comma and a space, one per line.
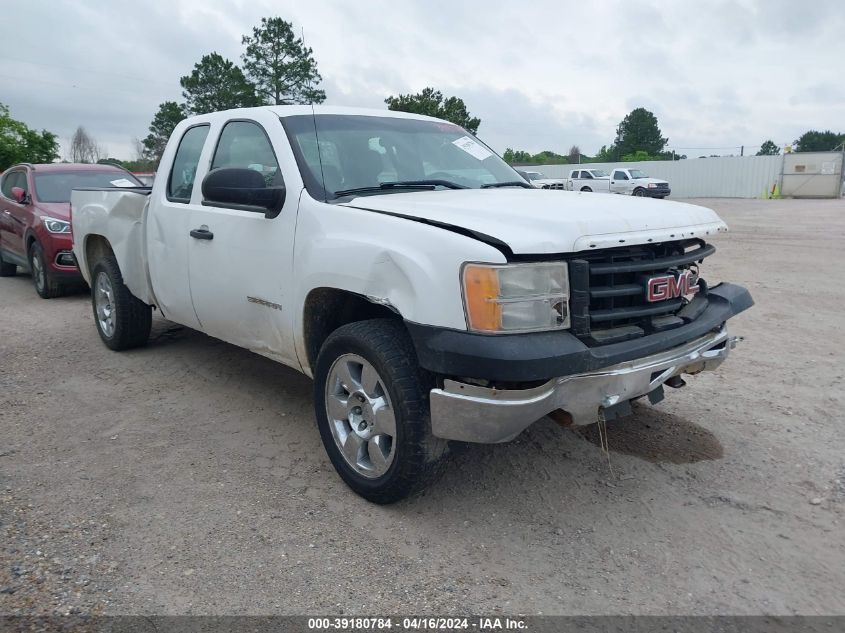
244, 189
20, 195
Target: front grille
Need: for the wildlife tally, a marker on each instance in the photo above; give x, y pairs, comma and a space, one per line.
608, 290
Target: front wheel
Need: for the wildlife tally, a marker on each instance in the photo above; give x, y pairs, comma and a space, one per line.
372, 407
640, 193
45, 285
123, 321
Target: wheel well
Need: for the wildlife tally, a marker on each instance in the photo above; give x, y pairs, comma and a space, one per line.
326, 309
96, 246
30, 240
585, 189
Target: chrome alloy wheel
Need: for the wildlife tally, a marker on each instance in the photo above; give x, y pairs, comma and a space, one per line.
361, 417
104, 303
39, 272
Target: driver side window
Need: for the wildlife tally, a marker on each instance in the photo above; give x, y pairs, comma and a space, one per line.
244, 144
14, 179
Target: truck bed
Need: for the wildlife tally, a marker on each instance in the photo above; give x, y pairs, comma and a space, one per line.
117, 214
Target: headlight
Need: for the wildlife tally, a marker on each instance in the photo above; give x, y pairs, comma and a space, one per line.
652, 185
56, 226
516, 297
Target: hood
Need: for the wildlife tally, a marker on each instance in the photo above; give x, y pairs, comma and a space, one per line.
58, 210
656, 181
537, 222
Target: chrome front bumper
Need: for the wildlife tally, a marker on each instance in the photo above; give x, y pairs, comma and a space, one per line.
470, 413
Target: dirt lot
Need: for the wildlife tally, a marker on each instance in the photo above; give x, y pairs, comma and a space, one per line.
188, 477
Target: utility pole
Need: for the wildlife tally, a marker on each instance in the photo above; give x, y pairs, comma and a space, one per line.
742, 150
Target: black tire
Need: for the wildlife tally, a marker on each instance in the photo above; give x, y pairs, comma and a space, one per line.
418, 456
587, 189
45, 284
639, 193
7, 270
132, 318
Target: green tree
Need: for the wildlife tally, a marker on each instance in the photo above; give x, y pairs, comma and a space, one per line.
640, 156
217, 84
606, 154
431, 102
279, 64
768, 149
20, 144
639, 132
815, 141
167, 117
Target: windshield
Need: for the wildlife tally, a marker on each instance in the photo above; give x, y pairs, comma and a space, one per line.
366, 152
636, 173
599, 173
56, 186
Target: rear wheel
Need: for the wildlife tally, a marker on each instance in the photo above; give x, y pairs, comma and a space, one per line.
586, 189
123, 321
6, 269
45, 285
372, 406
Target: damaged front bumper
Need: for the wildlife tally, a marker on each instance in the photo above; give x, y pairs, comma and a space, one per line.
471, 413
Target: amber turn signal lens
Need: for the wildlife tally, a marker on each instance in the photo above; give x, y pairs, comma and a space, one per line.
481, 285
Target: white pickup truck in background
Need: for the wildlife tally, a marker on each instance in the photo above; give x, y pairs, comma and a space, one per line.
431, 294
539, 181
633, 182
595, 180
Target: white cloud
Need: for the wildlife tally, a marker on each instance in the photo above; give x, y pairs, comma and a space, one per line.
545, 75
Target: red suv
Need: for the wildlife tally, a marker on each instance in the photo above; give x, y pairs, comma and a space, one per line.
35, 219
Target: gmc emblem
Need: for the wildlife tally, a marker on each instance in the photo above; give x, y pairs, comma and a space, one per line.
671, 287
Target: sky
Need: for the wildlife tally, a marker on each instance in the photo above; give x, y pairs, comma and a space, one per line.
541, 75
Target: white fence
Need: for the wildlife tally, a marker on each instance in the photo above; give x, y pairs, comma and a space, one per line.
720, 177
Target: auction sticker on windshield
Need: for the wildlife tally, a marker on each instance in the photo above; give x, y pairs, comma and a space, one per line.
472, 147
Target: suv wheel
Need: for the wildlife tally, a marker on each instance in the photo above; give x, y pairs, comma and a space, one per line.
123, 321
45, 285
372, 407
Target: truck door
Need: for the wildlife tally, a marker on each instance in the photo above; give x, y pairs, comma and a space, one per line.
240, 261
619, 182
168, 225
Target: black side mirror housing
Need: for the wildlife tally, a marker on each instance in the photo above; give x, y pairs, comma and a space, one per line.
244, 189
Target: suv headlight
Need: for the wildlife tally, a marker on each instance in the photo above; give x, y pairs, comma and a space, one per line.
516, 297
56, 226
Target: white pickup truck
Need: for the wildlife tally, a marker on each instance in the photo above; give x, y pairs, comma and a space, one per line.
588, 180
633, 182
395, 259
539, 181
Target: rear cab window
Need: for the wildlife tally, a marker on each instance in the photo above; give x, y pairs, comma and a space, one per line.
180, 183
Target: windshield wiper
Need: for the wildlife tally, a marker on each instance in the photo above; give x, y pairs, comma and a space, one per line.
425, 185
512, 183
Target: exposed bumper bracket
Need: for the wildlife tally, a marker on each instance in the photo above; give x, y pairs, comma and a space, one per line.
471, 413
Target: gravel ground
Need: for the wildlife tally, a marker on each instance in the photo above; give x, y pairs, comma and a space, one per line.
188, 477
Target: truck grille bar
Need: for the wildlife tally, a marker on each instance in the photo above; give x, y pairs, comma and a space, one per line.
608, 290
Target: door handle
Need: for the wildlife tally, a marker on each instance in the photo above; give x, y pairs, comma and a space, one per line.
202, 234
